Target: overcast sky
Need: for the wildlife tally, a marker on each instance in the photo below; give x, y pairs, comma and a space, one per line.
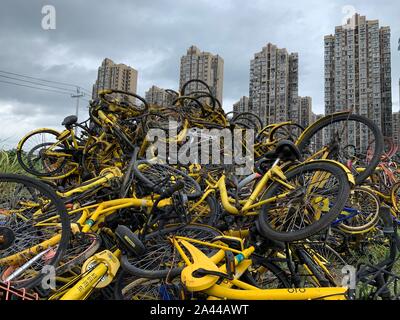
152, 35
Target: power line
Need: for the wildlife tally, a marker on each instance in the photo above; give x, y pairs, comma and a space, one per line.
41, 79
80, 92
44, 80
27, 86
37, 83
84, 90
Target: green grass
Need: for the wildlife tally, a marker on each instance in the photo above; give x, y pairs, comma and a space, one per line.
375, 254
9, 162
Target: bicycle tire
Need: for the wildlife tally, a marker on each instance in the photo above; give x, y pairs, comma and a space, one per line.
315, 269
211, 218
334, 264
276, 271
146, 289
81, 257
192, 189
102, 96
324, 221
347, 225
183, 88
59, 209
21, 155
395, 196
311, 131
157, 242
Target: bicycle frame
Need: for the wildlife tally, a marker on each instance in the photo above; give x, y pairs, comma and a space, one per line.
88, 220
275, 173
269, 131
103, 264
67, 138
208, 283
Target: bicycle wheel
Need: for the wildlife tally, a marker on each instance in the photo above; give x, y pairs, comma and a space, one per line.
334, 133
332, 261
31, 153
155, 175
128, 103
192, 107
161, 260
286, 131
266, 275
314, 274
361, 212
395, 196
248, 119
98, 156
129, 287
280, 131
320, 191
204, 212
34, 227
81, 247
193, 85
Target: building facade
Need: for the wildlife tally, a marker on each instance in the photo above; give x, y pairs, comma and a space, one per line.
318, 140
242, 105
396, 123
358, 73
305, 111
203, 66
158, 96
273, 90
396, 128
115, 76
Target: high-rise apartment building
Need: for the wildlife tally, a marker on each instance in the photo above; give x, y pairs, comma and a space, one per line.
305, 111
115, 76
319, 137
358, 73
396, 128
396, 124
158, 96
273, 91
242, 105
203, 66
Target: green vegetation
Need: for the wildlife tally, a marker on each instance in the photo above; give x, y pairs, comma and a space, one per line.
9, 162
374, 254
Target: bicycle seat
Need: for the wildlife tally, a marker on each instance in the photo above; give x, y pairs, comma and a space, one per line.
129, 241
70, 120
200, 262
286, 150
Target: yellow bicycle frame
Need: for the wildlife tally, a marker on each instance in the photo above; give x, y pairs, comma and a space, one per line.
208, 284
276, 174
105, 264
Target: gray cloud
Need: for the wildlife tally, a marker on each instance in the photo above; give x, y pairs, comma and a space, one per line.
152, 35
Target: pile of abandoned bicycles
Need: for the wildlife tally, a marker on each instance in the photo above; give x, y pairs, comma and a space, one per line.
121, 206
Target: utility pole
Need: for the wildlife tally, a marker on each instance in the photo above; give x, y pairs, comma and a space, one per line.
78, 95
